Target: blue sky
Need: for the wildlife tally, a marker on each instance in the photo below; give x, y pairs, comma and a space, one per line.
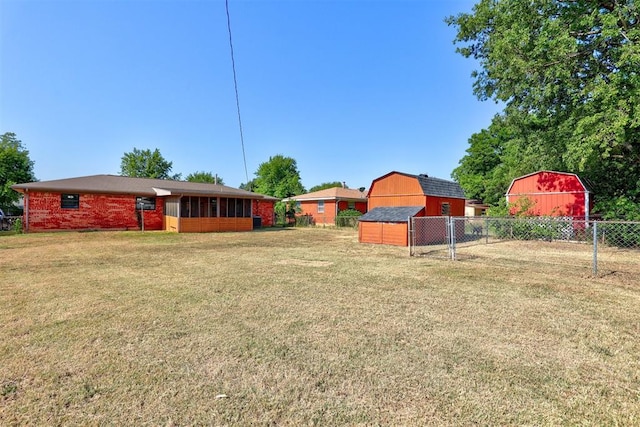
351, 89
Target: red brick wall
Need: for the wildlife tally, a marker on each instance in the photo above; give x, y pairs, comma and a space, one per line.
96, 212
343, 205
265, 210
310, 207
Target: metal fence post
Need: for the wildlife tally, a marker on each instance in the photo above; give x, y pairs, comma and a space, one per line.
595, 248
409, 225
486, 229
452, 238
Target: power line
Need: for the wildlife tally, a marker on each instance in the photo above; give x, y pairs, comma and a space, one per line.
235, 85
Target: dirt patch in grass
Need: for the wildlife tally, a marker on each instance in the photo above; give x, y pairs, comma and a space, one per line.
305, 263
308, 327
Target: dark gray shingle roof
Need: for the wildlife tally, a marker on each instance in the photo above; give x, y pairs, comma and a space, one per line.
440, 187
116, 184
391, 213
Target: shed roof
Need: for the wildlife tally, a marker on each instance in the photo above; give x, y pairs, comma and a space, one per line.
586, 185
433, 186
440, 187
115, 184
333, 193
391, 213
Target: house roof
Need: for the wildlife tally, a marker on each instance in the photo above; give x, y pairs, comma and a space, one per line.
475, 203
115, 184
433, 186
334, 193
391, 213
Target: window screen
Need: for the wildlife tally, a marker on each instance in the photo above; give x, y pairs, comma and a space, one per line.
146, 203
70, 201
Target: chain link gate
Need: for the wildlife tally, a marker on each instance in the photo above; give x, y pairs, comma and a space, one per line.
432, 235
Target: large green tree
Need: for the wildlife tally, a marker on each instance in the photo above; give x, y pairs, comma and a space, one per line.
567, 73
326, 185
15, 168
207, 177
146, 164
477, 172
248, 186
278, 177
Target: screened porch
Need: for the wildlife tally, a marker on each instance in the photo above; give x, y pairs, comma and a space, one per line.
201, 214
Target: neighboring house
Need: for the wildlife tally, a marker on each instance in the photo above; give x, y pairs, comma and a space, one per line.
552, 193
475, 208
111, 202
323, 206
396, 197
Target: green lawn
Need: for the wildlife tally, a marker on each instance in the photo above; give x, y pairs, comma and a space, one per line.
306, 327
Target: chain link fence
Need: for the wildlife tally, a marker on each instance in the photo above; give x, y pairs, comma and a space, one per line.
601, 246
318, 220
347, 221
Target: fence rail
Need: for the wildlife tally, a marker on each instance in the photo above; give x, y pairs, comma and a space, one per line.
449, 237
318, 220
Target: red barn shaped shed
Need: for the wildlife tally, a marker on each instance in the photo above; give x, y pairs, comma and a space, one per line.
397, 196
553, 193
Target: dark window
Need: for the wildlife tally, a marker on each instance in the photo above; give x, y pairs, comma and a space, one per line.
239, 206
231, 207
184, 207
146, 203
214, 207
445, 209
228, 207
70, 201
223, 207
204, 207
195, 204
247, 208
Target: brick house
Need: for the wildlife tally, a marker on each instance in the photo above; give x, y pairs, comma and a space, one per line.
323, 206
111, 202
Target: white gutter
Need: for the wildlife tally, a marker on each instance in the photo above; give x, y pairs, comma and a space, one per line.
26, 210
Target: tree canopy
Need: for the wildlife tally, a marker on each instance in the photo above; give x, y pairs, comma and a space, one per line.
278, 177
146, 164
326, 185
15, 168
207, 177
248, 186
567, 73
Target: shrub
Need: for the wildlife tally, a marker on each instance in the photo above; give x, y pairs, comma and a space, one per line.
348, 218
17, 225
